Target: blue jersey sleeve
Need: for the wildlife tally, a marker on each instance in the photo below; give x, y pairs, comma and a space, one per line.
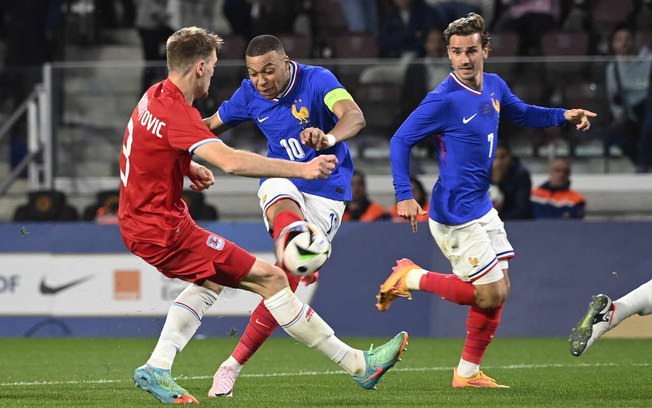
323, 81
234, 111
527, 115
425, 121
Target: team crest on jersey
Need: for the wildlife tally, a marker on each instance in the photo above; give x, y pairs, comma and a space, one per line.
474, 261
215, 242
496, 104
302, 113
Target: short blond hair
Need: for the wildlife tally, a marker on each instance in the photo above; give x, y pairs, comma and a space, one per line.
188, 45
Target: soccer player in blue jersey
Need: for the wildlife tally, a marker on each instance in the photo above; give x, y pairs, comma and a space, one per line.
304, 112
462, 114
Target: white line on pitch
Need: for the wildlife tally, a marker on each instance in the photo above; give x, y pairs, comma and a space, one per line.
338, 372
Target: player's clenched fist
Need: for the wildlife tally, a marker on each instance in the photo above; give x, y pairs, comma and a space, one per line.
315, 138
320, 167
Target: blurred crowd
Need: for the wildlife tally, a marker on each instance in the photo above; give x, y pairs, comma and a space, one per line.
409, 32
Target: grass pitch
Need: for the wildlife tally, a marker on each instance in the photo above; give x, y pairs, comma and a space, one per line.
541, 372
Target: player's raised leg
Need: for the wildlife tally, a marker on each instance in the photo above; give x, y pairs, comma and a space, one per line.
303, 323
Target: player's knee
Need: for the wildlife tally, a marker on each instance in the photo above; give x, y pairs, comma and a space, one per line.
489, 302
491, 299
274, 278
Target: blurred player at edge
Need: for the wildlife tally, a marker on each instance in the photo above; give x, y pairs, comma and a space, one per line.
462, 114
162, 135
604, 314
303, 111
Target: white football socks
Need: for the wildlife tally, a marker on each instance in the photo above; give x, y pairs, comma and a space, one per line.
637, 301
301, 322
414, 277
467, 368
183, 320
233, 363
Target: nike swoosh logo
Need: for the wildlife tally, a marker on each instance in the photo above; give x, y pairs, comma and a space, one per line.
263, 119
262, 324
53, 290
465, 120
378, 372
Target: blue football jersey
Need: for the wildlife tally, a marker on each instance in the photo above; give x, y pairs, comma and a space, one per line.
281, 120
464, 122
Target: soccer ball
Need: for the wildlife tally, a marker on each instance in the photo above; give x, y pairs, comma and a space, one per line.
302, 249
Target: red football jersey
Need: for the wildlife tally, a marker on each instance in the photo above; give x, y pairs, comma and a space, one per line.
161, 135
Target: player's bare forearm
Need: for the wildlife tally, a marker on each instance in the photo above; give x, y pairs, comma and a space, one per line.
243, 163
215, 125
350, 120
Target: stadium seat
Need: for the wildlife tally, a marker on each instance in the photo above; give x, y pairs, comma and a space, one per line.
606, 14
504, 44
198, 208
46, 205
355, 46
381, 106
107, 200
327, 21
296, 46
593, 97
561, 43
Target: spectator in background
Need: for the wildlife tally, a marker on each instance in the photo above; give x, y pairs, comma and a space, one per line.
530, 19
554, 198
361, 15
403, 30
447, 11
361, 208
250, 18
421, 77
420, 196
628, 81
154, 28
184, 13
513, 180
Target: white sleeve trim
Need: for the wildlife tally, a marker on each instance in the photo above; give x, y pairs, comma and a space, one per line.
203, 142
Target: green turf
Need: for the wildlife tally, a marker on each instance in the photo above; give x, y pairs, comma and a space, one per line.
541, 372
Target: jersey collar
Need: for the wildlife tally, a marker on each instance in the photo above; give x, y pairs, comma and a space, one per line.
294, 72
463, 85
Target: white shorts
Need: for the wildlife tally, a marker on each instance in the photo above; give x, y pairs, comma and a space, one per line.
475, 248
324, 213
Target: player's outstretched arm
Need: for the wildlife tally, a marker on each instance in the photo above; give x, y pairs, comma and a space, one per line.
242, 163
580, 118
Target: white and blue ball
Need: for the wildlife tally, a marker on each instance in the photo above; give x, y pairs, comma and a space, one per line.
302, 249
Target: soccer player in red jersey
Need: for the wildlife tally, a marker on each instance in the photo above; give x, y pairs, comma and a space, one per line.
162, 135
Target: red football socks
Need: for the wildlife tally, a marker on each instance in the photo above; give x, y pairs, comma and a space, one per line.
261, 323
481, 327
449, 287
282, 220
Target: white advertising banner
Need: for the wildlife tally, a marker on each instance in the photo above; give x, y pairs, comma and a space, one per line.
68, 285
